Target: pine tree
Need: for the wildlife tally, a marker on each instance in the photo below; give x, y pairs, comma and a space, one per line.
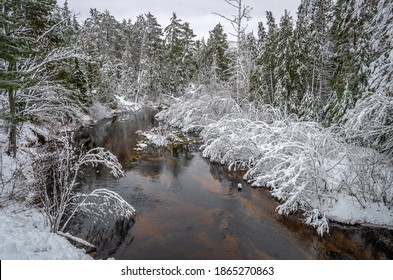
350, 59
285, 71
149, 83
173, 51
314, 50
371, 120
267, 61
216, 56
247, 65
259, 86
201, 64
31, 50
180, 46
103, 41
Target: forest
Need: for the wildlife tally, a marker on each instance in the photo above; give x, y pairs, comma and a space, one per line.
304, 107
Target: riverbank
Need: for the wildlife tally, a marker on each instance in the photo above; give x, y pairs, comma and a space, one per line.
190, 208
25, 231
308, 168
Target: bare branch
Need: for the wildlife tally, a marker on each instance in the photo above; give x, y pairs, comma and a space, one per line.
224, 17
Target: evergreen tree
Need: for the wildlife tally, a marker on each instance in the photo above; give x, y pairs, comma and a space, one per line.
180, 49
247, 63
267, 60
216, 57
149, 82
314, 50
200, 62
31, 50
285, 71
257, 84
351, 57
103, 41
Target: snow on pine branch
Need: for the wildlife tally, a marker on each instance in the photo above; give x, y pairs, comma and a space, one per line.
309, 168
371, 122
34, 64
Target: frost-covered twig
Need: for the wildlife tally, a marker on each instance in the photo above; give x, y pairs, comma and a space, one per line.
56, 172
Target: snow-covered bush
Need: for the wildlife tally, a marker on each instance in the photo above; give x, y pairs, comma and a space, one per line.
55, 173
98, 111
368, 177
227, 142
308, 168
100, 205
371, 122
198, 109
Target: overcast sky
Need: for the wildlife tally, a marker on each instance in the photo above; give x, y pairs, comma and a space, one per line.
197, 12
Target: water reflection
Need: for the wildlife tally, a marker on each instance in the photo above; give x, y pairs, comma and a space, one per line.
191, 209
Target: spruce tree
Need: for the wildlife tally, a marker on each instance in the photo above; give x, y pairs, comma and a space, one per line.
285, 71
313, 51
149, 82
216, 57
350, 58
180, 49
267, 61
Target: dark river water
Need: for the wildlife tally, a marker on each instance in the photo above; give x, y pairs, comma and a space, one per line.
188, 208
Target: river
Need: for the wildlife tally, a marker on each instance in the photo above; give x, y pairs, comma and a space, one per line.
188, 208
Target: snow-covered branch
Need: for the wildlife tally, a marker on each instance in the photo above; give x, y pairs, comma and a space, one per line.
56, 171
307, 167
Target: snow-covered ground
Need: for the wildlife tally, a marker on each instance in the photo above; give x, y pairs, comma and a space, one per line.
24, 235
125, 105
24, 232
307, 167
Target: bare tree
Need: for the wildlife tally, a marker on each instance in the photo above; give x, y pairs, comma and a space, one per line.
243, 14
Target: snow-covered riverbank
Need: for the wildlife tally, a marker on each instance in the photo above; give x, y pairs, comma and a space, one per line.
24, 235
307, 167
25, 232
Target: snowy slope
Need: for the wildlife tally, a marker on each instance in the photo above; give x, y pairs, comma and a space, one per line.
24, 236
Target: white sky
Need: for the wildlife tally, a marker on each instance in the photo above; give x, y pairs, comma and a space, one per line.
197, 12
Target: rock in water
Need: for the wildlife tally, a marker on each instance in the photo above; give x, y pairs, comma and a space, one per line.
239, 187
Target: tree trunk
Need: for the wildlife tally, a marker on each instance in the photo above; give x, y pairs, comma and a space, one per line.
238, 54
12, 134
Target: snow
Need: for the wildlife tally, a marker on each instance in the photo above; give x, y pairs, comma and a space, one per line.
126, 105
348, 210
25, 236
25, 232
307, 167
76, 239
155, 139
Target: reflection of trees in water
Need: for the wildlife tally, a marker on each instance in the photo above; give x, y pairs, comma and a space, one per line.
157, 161
221, 173
118, 135
149, 167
